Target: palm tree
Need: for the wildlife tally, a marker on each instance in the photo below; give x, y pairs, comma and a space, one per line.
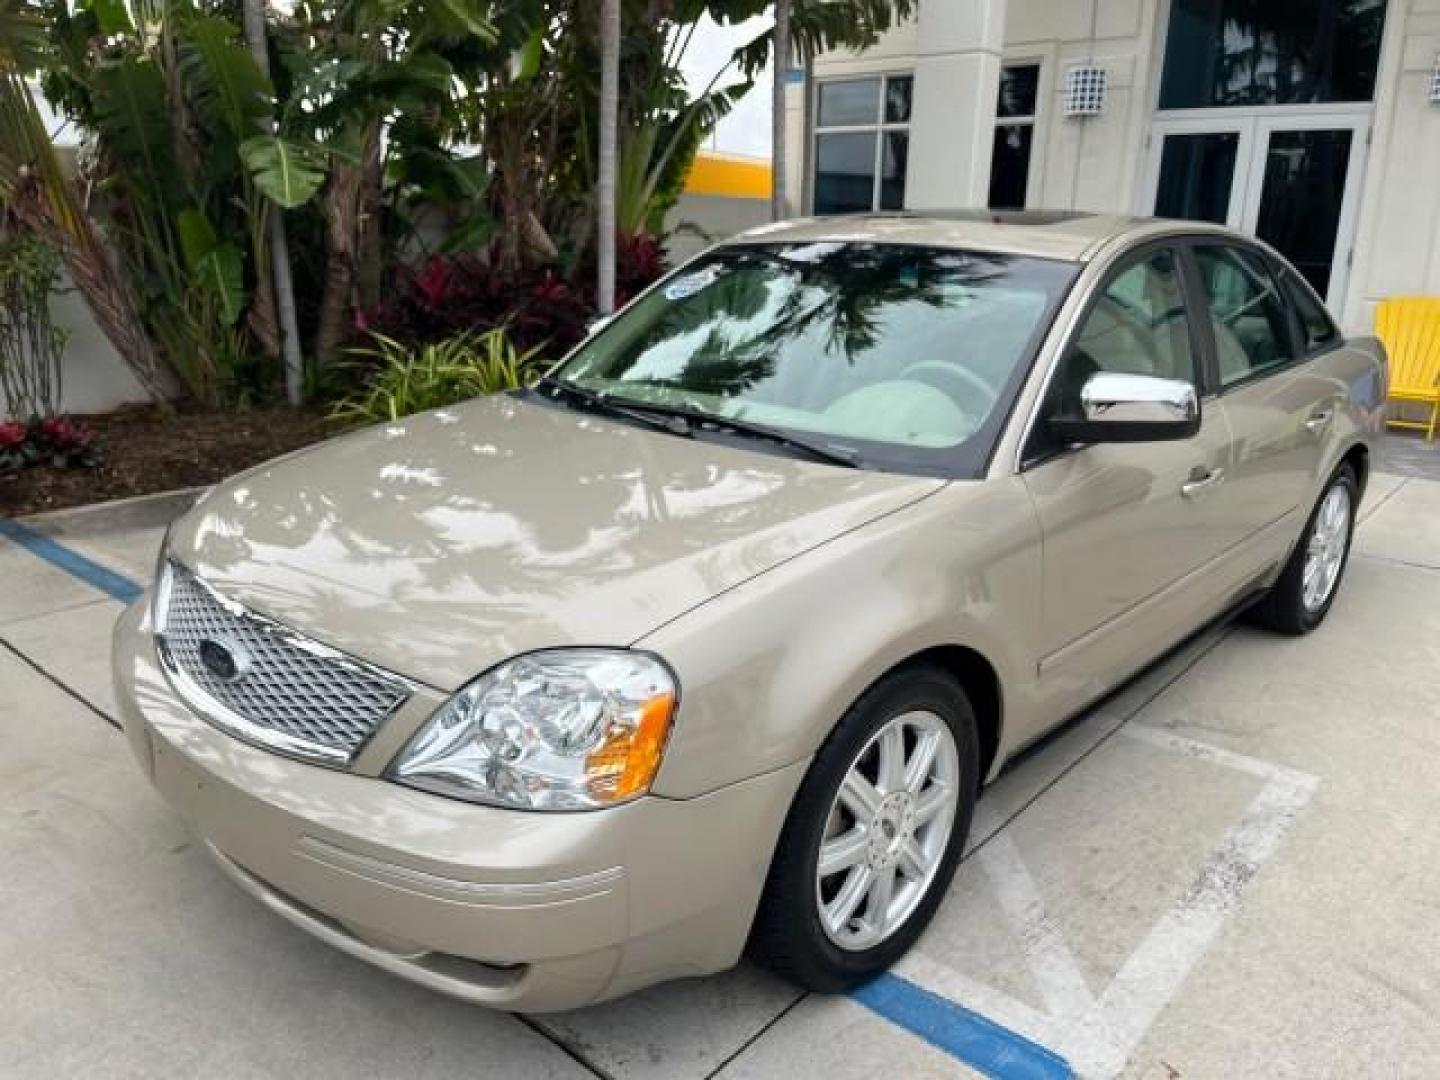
609, 116
778, 195
281, 281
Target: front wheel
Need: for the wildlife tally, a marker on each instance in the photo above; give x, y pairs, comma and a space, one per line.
874, 835
1301, 597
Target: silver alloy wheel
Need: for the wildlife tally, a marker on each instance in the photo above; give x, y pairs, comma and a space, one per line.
887, 830
1325, 553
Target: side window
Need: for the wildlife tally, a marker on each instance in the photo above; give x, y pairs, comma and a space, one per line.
1247, 313
1137, 326
1315, 321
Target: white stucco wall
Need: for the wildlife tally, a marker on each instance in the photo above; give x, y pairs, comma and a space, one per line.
94, 378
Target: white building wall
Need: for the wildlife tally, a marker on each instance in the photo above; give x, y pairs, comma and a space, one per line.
1093, 162
1397, 244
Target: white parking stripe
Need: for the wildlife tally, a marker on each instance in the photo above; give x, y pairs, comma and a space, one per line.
1051, 962
1097, 1036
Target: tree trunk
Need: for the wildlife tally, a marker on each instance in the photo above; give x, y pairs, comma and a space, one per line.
282, 286
780, 57
609, 110
344, 205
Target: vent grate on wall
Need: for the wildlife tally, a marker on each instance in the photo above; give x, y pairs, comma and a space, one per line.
1085, 87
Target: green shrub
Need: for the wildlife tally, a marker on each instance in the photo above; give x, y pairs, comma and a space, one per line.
401, 380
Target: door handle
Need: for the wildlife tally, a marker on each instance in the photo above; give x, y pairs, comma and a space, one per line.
1201, 480
1318, 419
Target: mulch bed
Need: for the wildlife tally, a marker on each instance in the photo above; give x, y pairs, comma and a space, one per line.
148, 449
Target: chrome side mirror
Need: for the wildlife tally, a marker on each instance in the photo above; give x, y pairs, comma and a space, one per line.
1131, 408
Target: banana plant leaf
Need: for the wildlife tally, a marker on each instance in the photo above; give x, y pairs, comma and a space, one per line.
287, 172
217, 265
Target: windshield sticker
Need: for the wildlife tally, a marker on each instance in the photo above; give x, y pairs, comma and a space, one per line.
690, 284
812, 253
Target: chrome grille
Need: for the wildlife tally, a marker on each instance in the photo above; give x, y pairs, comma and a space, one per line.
286, 692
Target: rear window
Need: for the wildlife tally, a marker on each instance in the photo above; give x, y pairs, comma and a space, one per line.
1315, 322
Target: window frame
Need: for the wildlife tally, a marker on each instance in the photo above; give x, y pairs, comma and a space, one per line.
1032, 121
1291, 281
1033, 455
1297, 341
879, 128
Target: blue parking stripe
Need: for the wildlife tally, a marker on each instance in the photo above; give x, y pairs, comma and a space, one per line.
980, 1043
58, 555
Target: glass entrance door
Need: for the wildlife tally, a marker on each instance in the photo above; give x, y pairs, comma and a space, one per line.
1290, 179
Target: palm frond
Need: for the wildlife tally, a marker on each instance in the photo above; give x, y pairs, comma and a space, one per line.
132, 112
22, 37
818, 26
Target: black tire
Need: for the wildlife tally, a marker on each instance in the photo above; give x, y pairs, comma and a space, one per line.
788, 935
1283, 608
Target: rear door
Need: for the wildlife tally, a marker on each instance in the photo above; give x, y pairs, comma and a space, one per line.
1128, 528
1279, 406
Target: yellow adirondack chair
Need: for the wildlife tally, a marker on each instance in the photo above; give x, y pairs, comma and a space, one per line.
1410, 328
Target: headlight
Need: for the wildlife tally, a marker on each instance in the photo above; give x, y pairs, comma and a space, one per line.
565, 729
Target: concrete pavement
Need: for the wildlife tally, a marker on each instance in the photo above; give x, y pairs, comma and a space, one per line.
1229, 869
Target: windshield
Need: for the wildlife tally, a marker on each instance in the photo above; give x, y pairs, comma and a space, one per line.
903, 355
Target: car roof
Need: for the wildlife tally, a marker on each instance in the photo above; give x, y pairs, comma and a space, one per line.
1053, 234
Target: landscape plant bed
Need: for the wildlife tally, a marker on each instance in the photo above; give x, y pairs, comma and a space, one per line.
146, 449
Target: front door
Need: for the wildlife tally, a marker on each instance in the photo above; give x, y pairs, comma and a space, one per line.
1128, 527
1290, 178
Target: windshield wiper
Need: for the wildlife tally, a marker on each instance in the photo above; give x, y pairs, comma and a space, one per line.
602, 403
680, 420
833, 455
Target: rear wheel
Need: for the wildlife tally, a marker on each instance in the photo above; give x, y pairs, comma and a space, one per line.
1301, 598
874, 834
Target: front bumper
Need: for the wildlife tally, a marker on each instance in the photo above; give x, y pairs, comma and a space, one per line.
517, 910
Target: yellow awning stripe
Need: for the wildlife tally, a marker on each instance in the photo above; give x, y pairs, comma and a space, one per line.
729, 175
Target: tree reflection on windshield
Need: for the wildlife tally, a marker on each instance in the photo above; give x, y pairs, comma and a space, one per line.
890, 343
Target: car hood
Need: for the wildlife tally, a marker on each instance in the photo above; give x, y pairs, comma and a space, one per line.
438, 545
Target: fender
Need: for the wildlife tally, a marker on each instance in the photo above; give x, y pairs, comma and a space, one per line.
769, 668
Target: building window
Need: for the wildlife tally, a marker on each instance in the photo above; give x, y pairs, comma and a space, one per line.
1237, 52
862, 142
1014, 133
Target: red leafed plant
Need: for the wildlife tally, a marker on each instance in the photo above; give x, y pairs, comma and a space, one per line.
58, 441
540, 307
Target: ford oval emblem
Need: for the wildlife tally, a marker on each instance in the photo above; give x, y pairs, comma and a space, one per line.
225, 661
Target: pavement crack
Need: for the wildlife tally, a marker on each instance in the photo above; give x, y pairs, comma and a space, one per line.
1369, 512
564, 1047
65, 688
759, 1034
